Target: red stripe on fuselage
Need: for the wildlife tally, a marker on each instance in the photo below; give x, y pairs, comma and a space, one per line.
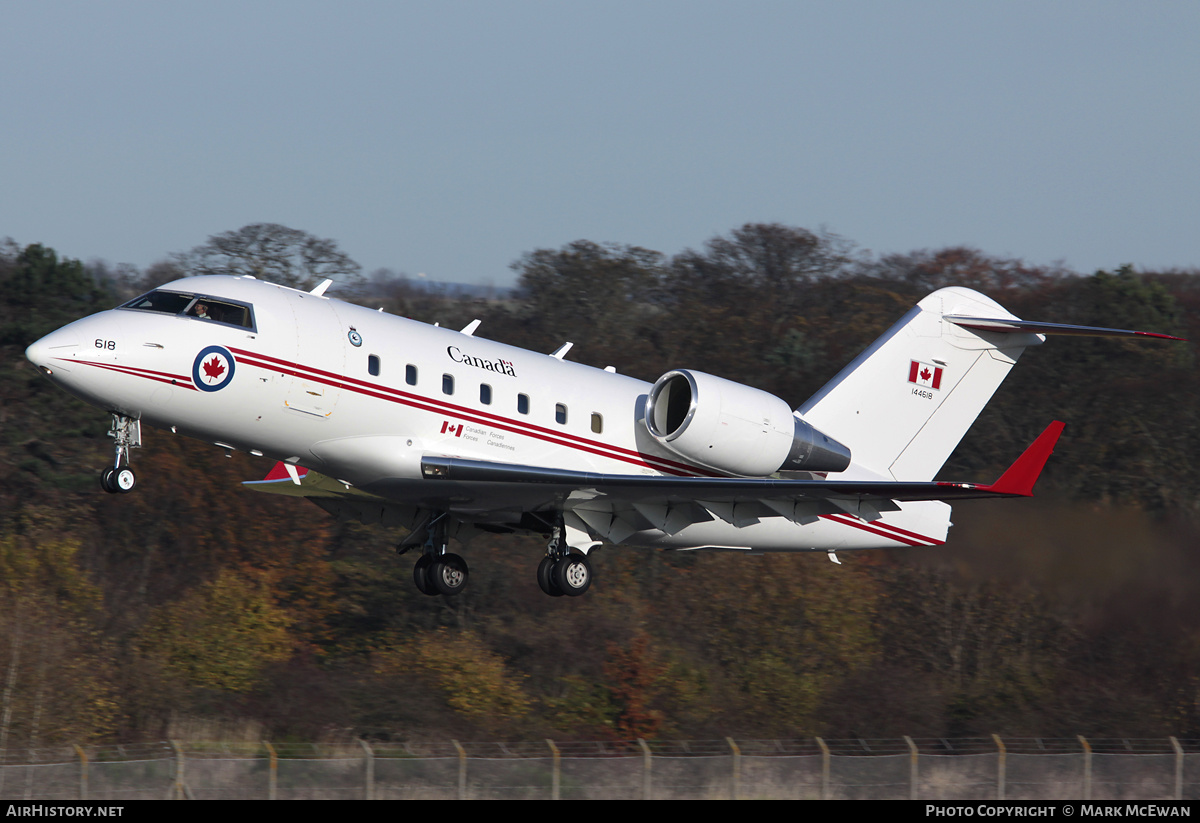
133, 371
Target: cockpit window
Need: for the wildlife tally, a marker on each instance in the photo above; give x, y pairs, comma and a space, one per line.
168, 302
221, 312
195, 306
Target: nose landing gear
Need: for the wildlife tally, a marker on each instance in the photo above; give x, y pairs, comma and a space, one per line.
127, 434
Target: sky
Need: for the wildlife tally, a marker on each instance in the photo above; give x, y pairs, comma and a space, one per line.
448, 138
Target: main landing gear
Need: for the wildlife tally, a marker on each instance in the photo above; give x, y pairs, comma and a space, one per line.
127, 434
438, 571
561, 571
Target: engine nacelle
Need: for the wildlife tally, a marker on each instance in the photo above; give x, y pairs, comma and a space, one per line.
734, 428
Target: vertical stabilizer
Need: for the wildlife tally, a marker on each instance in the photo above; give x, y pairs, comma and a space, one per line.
903, 405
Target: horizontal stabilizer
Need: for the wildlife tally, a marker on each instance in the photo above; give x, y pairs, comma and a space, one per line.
1005, 325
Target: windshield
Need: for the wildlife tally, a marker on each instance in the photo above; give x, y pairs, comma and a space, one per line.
195, 306
169, 302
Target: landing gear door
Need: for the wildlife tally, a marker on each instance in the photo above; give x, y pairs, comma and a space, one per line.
320, 361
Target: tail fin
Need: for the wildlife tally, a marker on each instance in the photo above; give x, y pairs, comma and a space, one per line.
903, 405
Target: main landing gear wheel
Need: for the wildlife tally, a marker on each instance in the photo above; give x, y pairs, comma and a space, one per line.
114, 480
560, 571
448, 573
435, 572
421, 575
572, 574
545, 577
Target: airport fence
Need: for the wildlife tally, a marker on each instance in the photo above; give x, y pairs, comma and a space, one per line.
907, 768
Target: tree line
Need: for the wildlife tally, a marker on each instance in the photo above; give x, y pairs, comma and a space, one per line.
194, 599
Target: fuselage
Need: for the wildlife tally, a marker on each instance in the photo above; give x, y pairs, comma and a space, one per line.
361, 396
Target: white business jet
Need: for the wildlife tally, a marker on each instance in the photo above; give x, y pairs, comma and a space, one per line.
389, 420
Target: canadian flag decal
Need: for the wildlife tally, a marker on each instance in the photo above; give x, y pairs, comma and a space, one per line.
448, 426
925, 374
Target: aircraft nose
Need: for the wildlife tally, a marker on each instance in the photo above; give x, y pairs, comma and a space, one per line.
43, 353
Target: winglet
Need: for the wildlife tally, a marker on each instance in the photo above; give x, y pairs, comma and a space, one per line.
283, 471
1022, 474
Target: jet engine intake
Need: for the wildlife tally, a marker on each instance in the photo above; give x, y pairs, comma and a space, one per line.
734, 428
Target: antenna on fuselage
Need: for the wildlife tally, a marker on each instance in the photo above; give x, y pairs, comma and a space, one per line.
561, 351
470, 328
320, 290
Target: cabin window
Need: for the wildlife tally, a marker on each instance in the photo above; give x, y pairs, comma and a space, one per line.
523, 403
373, 364
597, 422
485, 394
410, 374
560, 414
447, 384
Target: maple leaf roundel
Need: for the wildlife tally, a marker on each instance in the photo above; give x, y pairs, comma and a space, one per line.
213, 368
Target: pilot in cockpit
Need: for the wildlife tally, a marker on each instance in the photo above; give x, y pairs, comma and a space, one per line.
200, 310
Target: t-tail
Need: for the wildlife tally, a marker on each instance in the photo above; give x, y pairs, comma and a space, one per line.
903, 405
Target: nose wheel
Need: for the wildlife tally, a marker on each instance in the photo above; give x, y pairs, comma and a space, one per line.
127, 434
117, 481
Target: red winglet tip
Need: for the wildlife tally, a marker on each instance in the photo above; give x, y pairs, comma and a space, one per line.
279, 472
1023, 473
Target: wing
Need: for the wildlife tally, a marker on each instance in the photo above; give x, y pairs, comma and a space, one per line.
1017, 481
336, 497
503, 493
297, 481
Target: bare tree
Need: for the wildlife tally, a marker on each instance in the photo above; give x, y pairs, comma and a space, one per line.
272, 252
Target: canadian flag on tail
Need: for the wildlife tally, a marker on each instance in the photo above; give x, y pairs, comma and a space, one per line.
925, 374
